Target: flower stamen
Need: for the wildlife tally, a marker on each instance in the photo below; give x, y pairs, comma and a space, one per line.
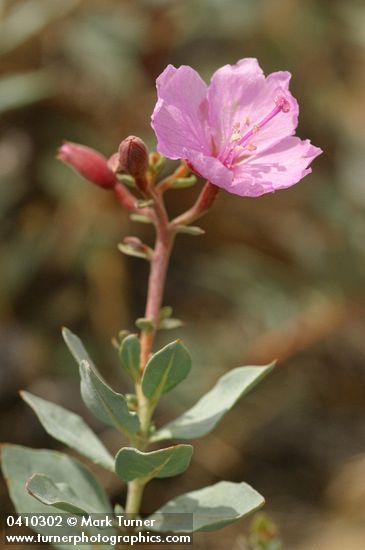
239, 142
281, 104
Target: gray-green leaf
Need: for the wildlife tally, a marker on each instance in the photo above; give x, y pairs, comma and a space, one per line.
145, 325
192, 230
212, 508
70, 429
166, 368
60, 495
133, 464
130, 250
140, 218
208, 411
129, 354
170, 324
76, 347
107, 405
20, 463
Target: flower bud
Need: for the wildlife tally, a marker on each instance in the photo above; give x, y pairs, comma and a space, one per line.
133, 159
87, 162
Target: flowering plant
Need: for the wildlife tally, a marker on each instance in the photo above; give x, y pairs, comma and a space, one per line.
238, 134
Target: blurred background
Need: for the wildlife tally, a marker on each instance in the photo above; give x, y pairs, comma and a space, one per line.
280, 276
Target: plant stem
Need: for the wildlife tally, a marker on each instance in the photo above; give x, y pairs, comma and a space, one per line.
134, 496
157, 277
156, 285
203, 203
165, 233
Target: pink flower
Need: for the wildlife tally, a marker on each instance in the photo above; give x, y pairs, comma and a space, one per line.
238, 132
89, 163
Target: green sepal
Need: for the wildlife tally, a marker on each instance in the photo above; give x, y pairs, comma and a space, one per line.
129, 355
210, 409
211, 508
70, 429
133, 464
165, 369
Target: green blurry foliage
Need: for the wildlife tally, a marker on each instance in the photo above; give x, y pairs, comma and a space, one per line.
281, 276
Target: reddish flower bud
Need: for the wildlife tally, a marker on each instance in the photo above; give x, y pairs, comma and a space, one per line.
87, 162
133, 159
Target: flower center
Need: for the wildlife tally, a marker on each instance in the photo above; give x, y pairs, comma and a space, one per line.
238, 149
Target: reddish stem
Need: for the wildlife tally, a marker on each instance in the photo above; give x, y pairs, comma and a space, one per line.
157, 276
203, 203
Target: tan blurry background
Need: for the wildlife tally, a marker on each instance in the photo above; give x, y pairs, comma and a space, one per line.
280, 276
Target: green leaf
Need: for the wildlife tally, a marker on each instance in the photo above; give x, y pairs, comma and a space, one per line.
107, 405
192, 230
212, 508
129, 354
76, 347
170, 324
144, 324
60, 495
144, 252
165, 313
208, 411
166, 322
127, 180
133, 464
166, 368
140, 218
70, 429
181, 183
145, 203
20, 463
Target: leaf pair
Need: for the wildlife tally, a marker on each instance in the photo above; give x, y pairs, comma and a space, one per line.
165, 369
65, 484
131, 464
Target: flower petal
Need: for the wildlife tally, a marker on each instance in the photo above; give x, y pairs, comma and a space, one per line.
209, 168
232, 90
180, 116
281, 166
283, 124
241, 95
163, 79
